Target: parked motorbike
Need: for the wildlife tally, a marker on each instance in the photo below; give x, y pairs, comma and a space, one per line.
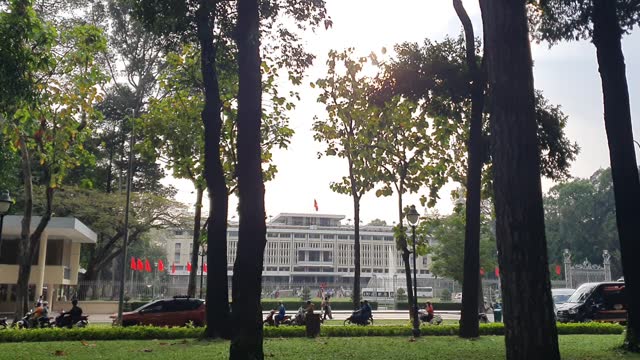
3, 323
270, 320
64, 320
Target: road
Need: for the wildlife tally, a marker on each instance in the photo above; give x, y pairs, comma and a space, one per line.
337, 314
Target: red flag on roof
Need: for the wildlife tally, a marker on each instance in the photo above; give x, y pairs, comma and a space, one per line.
315, 204
147, 266
189, 267
204, 267
481, 271
133, 263
558, 270
173, 268
497, 272
140, 265
160, 265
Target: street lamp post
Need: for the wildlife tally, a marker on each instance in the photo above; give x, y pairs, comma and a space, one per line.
125, 239
203, 253
5, 206
412, 218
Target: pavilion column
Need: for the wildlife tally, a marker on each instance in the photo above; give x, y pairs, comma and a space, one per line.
42, 256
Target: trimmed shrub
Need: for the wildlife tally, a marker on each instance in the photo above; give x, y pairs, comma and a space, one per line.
269, 304
150, 332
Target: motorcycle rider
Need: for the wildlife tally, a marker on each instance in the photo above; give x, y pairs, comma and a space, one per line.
40, 313
428, 308
72, 316
280, 316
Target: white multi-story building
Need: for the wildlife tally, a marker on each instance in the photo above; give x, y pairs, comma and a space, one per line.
309, 248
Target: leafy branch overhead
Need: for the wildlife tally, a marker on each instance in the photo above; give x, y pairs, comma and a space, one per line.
173, 129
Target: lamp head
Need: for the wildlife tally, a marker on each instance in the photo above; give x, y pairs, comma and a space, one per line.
5, 202
413, 216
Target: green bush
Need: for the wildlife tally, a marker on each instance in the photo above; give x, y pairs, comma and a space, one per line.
99, 333
150, 332
437, 306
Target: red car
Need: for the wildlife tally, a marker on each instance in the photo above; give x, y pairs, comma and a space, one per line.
178, 311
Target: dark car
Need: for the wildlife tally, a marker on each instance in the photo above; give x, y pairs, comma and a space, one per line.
595, 302
178, 311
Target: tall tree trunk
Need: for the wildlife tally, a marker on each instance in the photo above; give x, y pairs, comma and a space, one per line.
469, 326
246, 342
217, 298
530, 327
24, 258
191, 288
356, 252
624, 169
405, 254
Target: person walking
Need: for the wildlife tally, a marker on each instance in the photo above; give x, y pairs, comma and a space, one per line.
326, 308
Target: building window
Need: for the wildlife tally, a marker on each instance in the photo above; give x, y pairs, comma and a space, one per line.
285, 236
233, 234
314, 255
176, 253
388, 238
327, 256
328, 237
300, 255
300, 236
178, 232
377, 237
55, 250
314, 236
343, 237
425, 261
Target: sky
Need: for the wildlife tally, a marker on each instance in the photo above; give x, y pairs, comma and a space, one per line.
567, 74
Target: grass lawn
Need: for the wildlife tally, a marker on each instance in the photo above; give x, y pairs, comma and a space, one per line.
573, 347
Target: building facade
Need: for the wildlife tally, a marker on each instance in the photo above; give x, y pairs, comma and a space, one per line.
57, 260
309, 248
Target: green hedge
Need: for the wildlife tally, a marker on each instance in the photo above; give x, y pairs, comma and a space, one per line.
444, 306
292, 306
149, 332
268, 304
99, 333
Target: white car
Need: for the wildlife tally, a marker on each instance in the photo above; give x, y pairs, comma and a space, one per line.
560, 296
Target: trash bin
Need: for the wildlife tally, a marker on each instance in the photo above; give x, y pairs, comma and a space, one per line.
497, 315
312, 324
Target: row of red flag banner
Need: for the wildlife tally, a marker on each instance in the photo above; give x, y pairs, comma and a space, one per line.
497, 271
139, 265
